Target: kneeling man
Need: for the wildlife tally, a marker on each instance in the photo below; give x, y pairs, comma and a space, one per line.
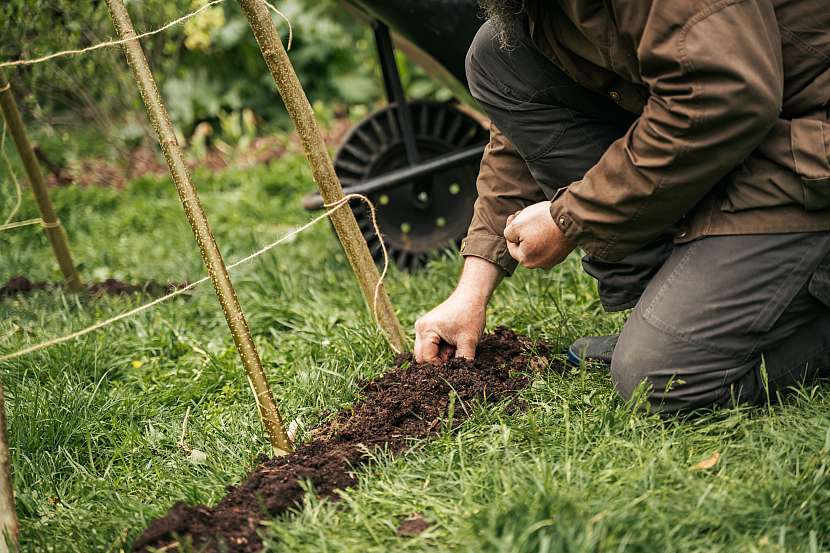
685, 147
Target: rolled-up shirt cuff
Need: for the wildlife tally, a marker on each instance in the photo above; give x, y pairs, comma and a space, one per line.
491, 248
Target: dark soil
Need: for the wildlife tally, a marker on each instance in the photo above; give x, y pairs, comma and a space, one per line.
413, 526
21, 285
410, 401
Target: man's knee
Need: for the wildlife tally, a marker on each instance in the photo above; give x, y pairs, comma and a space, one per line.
662, 368
628, 370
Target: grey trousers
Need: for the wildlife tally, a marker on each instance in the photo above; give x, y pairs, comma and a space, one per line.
719, 321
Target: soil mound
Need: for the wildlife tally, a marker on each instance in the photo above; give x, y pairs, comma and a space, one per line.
410, 401
19, 285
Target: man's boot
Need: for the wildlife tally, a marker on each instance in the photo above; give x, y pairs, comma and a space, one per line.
598, 349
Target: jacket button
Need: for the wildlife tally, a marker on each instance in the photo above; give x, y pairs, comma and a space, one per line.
615, 95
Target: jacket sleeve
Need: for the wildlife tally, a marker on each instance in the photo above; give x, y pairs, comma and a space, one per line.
505, 186
714, 74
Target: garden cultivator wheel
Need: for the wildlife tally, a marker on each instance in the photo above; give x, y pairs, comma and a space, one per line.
425, 215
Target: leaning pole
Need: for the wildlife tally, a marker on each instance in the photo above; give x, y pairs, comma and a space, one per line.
301, 113
51, 224
211, 255
8, 517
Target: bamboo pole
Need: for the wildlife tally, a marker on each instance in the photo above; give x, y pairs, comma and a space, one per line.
322, 168
211, 255
51, 224
8, 517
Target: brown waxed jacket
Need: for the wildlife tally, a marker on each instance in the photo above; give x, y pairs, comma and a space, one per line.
733, 135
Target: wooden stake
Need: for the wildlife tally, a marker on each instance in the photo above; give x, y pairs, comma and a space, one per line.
8, 517
322, 168
201, 229
51, 224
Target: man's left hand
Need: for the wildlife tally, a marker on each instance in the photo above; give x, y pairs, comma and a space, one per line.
534, 240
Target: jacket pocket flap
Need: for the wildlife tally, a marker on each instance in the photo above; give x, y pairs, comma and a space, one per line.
811, 155
811, 148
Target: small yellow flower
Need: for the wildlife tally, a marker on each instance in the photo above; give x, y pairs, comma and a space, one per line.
137, 364
198, 30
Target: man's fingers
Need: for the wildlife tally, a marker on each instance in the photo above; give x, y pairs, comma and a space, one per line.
511, 234
445, 352
466, 349
429, 348
515, 251
418, 346
426, 346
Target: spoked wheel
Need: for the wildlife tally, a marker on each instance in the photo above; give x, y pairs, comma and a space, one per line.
420, 217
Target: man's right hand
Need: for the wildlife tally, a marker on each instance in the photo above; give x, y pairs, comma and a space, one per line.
454, 328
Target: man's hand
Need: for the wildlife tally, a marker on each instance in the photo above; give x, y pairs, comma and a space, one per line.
454, 328
534, 240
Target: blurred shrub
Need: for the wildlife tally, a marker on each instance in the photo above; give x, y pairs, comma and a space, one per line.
209, 69
221, 70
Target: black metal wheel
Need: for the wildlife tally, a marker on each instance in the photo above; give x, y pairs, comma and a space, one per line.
424, 216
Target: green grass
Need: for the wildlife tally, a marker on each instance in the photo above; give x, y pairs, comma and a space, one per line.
94, 435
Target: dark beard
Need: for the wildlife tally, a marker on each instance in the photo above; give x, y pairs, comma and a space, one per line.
506, 17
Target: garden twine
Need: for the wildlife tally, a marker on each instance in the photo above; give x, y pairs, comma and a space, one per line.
13, 176
110, 43
8, 224
330, 209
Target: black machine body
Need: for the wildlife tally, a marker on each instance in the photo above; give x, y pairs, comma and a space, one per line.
417, 161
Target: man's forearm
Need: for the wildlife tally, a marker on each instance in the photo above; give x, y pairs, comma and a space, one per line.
478, 281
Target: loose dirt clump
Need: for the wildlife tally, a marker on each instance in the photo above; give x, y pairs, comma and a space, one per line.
20, 285
410, 401
413, 526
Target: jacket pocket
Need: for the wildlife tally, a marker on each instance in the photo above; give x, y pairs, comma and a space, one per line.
811, 155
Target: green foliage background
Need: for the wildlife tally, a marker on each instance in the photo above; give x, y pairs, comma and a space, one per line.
209, 68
